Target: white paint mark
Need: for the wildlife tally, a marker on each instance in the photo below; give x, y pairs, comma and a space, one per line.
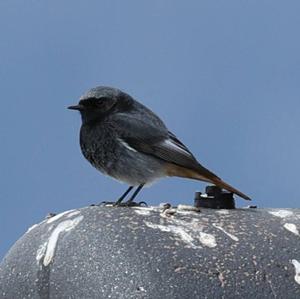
126, 145
207, 240
141, 289
190, 232
222, 279
188, 208
63, 226
185, 212
41, 252
191, 226
292, 228
144, 212
297, 270
168, 213
176, 230
163, 228
149, 208
184, 236
73, 214
234, 238
281, 213
223, 212
162, 205
56, 217
31, 228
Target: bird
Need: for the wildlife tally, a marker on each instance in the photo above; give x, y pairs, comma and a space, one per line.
125, 140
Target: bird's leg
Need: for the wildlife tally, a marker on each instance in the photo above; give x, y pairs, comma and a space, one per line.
138, 189
123, 196
130, 202
118, 202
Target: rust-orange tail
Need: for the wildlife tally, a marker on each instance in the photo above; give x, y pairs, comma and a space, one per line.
202, 174
218, 182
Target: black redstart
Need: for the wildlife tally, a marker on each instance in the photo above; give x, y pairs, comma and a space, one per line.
124, 139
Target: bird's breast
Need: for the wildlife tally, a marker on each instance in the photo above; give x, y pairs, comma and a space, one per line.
98, 146
107, 152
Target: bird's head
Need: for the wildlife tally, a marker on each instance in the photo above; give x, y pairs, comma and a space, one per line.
101, 101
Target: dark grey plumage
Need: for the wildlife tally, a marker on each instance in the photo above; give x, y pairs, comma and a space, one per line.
104, 134
124, 139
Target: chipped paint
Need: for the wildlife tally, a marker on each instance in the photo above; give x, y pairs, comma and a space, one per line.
142, 289
292, 228
163, 228
73, 214
144, 212
63, 226
31, 228
176, 230
190, 232
190, 213
56, 217
41, 252
187, 208
207, 240
168, 212
149, 208
297, 270
184, 236
164, 205
188, 225
281, 213
222, 212
234, 238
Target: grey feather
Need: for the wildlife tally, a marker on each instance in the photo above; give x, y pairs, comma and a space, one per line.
156, 141
126, 140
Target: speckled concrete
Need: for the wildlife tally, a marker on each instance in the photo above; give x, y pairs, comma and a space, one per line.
106, 252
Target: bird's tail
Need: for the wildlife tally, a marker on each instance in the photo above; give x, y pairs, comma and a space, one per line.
202, 174
218, 182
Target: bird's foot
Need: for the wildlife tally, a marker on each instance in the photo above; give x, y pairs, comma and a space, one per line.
130, 204
103, 203
120, 204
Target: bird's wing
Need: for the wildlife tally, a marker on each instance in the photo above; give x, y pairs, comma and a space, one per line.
157, 142
162, 144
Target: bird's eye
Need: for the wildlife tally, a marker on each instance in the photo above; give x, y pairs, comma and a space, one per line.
102, 102
105, 104
87, 102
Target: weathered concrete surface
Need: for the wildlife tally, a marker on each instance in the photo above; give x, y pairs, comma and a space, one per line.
106, 252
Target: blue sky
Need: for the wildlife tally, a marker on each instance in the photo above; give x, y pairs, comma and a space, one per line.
223, 75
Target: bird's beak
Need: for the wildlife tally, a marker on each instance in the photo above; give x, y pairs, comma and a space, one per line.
76, 107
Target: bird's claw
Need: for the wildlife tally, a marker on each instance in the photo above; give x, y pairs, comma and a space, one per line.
103, 203
120, 204
130, 204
